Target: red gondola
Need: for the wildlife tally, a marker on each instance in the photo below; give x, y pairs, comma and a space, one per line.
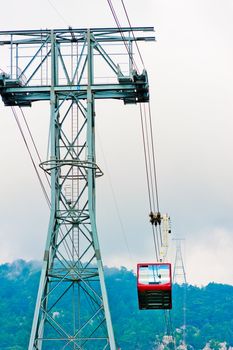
154, 286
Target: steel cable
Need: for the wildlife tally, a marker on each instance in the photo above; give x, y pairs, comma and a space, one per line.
33, 142
121, 33
151, 178
127, 16
152, 185
31, 157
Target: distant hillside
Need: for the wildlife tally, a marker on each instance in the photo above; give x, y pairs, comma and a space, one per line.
209, 310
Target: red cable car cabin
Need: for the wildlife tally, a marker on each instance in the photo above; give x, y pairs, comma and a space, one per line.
154, 286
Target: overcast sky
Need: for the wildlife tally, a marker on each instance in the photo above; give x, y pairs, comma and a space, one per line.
190, 71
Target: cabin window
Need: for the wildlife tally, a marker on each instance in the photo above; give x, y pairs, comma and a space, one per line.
154, 274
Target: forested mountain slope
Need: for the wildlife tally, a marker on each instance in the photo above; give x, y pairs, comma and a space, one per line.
209, 310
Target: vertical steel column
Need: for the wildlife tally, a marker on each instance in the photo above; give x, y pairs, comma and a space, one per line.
38, 324
91, 187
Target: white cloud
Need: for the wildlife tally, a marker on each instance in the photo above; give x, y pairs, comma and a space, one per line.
209, 256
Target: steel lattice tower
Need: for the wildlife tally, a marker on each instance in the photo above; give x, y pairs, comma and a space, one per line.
72, 309
179, 277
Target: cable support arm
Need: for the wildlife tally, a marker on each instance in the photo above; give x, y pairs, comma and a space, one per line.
67, 36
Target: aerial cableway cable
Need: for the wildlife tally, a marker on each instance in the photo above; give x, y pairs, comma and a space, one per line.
127, 16
153, 157
33, 142
152, 186
125, 41
151, 177
150, 164
148, 181
158, 227
31, 157
147, 140
148, 144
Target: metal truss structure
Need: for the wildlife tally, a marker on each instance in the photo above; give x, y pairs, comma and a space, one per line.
62, 67
179, 277
179, 274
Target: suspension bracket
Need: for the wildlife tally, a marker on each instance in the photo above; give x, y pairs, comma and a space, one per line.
141, 84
